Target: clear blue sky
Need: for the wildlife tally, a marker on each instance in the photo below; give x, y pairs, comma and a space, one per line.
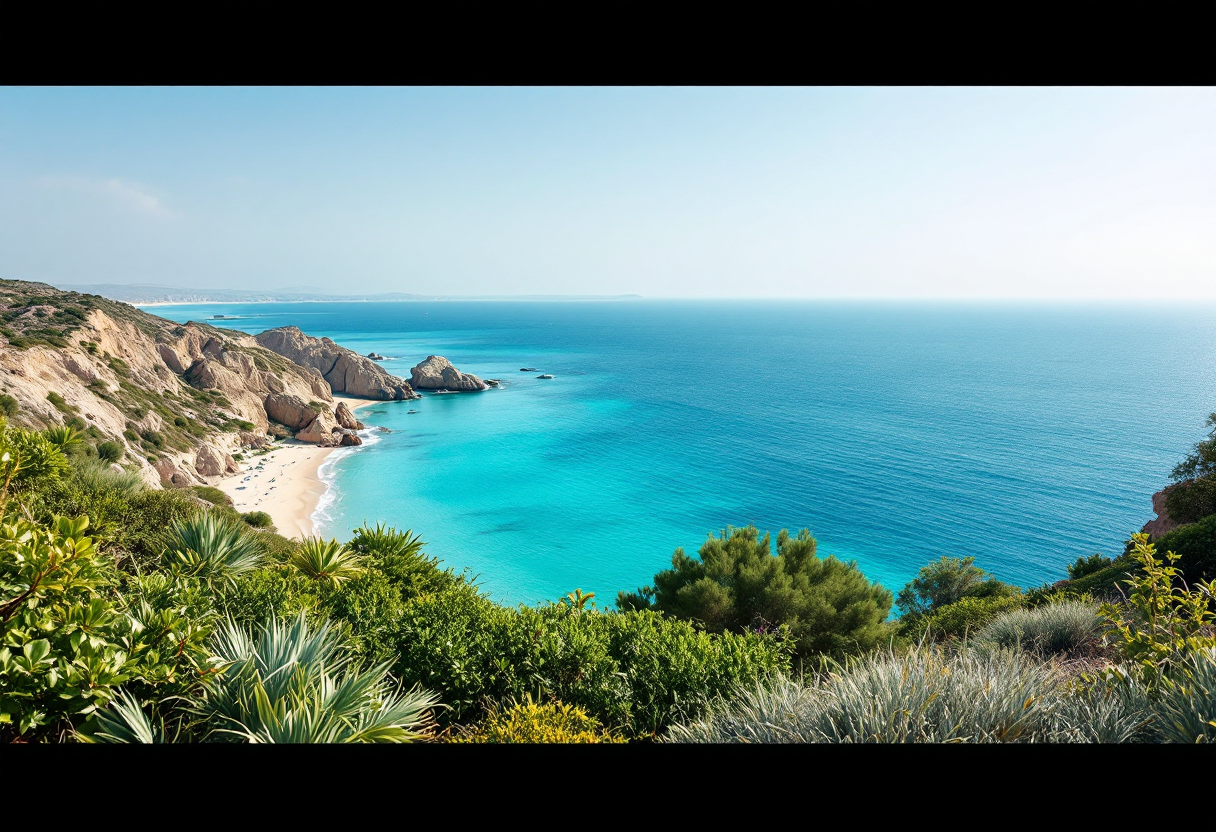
664, 192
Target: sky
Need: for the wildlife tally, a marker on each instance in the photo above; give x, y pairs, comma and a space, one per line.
736, 192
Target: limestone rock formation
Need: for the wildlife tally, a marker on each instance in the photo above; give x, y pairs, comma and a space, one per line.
346, 418
437, 373
289, 410
209, 462
344, 369
1163, 523
324, 430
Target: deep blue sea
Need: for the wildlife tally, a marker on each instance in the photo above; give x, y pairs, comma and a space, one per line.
1025, 435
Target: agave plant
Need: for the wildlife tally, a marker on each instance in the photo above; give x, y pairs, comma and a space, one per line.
326, 560
211, 546
123, 722
62, 437
295, 684
386, 542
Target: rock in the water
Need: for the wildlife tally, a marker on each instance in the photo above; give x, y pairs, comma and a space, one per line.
344, 369
375, 356
350, 439
437, 373
346, 418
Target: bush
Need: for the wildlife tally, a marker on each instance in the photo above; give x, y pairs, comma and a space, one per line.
1049, 629
633, 671
109, 451
738, 585
946, 582
964, 617
530, 722
8, 405
1195, 546
258, 519
212, 495
1088, 566
1192, 500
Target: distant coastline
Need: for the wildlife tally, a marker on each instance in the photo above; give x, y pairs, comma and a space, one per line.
149, 295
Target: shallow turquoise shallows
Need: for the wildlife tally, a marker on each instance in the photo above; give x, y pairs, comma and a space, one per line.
1025, 435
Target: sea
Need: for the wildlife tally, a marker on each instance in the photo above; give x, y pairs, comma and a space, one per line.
1025, 435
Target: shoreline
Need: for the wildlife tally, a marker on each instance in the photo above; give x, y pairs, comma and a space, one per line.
285, 482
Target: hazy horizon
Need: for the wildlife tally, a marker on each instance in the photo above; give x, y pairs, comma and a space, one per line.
1009, 193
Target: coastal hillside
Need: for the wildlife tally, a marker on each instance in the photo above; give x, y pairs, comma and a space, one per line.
174, 402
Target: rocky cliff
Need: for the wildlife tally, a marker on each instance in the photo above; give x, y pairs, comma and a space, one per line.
345, 370
178, 399
437, 373
1163, 522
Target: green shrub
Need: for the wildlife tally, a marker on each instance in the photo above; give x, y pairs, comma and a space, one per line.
947, 581
1195, 546
1162, 621
399, 556
532, 722
109, 451
1185, 711
60, 404
326, 560
1049, 629
1088, 566
258, 519
965, 616
212, 495
738, 585
1192, 500
8, 405
632, 671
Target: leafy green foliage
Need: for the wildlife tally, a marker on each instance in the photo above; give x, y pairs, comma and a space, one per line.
1192, 500
533, 722
738, 585
946, 582
258, 519
1201, 461
1088, 566
1195, 546
962, 618
632, 671
1160, 622
211, 494
399, 556
9, 406
109, 451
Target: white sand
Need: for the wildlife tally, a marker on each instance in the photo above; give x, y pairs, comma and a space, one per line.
284, 482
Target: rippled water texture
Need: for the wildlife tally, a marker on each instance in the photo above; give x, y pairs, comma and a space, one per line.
1024, 435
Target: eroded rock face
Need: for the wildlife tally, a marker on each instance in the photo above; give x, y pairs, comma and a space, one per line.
170, 473
324, 430
350, 439
346, 418
437, 373
289, 410
209, 462
345, 370
1163, 523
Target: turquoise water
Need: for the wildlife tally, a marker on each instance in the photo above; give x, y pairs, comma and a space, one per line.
1025, 435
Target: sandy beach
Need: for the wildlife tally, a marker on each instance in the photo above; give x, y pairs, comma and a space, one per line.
284, 482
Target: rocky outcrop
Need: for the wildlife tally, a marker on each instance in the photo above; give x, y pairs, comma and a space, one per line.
289, 411
1163, 523
323, 430
209, 462
437, 373
346, 418
345, 370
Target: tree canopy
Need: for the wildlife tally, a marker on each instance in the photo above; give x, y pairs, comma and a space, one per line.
827, 606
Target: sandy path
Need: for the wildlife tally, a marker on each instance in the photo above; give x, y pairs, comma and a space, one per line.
284, 482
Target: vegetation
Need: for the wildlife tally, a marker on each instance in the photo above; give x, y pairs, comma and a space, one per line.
532, 722
826, 606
